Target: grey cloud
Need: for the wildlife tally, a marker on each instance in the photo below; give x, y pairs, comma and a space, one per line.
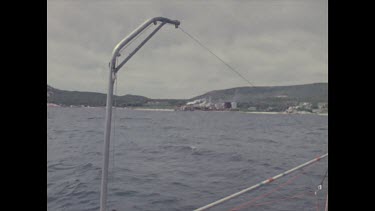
270, 42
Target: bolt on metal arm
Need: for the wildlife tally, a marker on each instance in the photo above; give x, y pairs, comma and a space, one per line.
112, 77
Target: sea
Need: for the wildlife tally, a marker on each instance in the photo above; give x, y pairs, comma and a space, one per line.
183, 160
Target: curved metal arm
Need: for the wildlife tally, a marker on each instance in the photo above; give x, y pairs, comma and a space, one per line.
132, 35
118, 67
112, 76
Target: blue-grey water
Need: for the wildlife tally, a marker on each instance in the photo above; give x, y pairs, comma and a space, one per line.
165, 161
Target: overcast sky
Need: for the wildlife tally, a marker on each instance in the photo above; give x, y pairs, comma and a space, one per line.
270, 42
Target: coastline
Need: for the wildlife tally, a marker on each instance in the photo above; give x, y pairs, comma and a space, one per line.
168, 109
285, 113
152, 109
262, 112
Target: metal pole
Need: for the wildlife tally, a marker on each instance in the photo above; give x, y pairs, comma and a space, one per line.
112, 78
259, 184
107, 135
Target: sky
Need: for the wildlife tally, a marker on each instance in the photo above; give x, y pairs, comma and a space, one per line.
270, 42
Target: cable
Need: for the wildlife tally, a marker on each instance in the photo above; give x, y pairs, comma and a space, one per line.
231, 68
235, 71
221, 60
226, 64
324, 177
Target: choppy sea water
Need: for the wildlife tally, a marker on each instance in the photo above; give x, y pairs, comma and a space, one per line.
165, 161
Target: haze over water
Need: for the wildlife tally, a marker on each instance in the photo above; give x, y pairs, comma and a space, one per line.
183, 160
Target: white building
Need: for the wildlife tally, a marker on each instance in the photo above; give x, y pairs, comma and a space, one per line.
233, 105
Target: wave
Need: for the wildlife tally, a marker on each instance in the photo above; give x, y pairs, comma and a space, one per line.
263, 140
177, 148
126, 193
235, 158
172, 127
169, 200
95, 118
180, 184
61, 166
135, 118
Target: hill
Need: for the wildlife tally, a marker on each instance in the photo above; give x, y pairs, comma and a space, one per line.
76, 98
272, 98
277, 97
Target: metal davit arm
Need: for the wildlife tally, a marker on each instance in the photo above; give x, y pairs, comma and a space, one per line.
137, 48
131, 36
112, 77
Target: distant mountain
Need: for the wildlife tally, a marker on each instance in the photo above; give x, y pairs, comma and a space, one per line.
317, 92
67, 98
273, 97
277, 98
